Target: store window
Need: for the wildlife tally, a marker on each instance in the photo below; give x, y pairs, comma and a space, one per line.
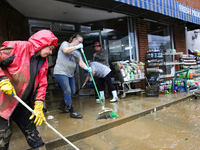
116, 36
160, 38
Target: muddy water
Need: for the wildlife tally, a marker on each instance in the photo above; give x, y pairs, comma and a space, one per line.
88, 107
176, 127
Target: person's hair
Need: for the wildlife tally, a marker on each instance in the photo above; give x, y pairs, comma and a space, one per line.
74, 36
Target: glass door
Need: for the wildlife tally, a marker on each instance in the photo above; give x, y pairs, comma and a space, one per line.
89, 38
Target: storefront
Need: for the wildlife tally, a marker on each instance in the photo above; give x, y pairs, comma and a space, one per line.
144, 25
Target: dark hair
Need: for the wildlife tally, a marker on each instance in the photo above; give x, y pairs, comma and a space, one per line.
74, 36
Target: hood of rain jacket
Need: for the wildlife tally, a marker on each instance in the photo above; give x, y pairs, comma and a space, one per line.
15, 59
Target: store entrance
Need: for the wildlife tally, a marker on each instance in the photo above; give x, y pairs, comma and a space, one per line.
88, 40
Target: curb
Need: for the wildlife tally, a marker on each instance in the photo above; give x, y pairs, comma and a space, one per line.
84, 134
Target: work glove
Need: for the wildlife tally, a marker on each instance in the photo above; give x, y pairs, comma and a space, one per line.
89, 69
79, 46
6, 87
84, 84
39, 111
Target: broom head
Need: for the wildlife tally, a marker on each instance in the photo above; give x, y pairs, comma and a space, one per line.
106, 113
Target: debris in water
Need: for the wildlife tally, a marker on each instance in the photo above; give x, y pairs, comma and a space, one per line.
50, 117
157, 119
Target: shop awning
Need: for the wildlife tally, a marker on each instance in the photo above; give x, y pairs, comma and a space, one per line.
167, 7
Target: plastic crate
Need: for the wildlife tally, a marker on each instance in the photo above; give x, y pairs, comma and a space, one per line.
152, 91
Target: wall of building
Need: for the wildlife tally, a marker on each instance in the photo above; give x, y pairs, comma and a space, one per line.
141, 29
192, 3
13, 26
193, 38
179, 38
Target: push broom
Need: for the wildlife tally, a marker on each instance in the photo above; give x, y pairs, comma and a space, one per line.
31, 110
104, 113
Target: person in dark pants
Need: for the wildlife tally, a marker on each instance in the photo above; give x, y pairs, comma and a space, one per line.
104, 74
101, 56
23, 67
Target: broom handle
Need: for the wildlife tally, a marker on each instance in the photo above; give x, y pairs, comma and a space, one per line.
92, 78
31, 110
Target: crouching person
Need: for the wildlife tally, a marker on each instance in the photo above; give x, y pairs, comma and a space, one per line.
23, 72
104, 74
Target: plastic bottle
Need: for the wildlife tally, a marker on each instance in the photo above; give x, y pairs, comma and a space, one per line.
132, 76
122, 71
170, 88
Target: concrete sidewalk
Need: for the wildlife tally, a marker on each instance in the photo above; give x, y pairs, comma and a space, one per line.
128, 109
175, 128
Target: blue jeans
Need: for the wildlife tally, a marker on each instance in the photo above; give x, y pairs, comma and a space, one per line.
68, 87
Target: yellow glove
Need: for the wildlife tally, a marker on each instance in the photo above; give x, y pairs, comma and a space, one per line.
39, 111
7, 87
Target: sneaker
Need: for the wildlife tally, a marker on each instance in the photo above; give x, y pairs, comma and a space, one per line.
116, 99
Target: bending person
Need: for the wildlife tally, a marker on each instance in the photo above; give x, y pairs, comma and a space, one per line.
24, 68
104, 74
68, 58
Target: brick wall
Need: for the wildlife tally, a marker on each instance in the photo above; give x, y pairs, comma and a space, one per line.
179, 38
192, 3
142, 45
13, 26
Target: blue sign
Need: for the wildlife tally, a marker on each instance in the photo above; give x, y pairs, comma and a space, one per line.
167, 7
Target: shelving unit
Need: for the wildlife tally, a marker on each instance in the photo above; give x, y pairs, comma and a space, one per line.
189, 60
154, 60
128, 73
169, 61
163, 68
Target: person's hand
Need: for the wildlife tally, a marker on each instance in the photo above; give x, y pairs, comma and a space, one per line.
89, 69
39, 113
83, 85
6, 87
79, 46
94, 54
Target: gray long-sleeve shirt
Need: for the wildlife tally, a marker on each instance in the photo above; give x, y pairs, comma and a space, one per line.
100, 70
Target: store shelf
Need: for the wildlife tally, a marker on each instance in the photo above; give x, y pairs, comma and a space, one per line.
178, 53
173, 63
189, 60
167, 76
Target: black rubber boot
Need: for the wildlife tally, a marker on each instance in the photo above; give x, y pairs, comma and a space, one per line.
62, 107
73, 114
40, 148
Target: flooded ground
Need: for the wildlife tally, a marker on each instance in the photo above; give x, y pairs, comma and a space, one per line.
176, 127
128, 109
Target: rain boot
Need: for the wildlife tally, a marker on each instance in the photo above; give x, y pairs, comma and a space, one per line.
62, 106
101, 96
115, 97
74, 114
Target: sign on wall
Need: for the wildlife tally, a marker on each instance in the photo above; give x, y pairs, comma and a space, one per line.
167, 7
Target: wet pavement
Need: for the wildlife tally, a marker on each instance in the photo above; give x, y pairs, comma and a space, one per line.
128, 109
176, 127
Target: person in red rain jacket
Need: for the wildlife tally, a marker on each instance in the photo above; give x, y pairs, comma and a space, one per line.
23, 71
